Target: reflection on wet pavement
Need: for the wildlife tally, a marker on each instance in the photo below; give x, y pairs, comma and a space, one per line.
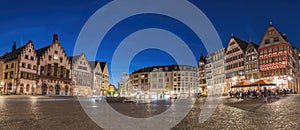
66, 113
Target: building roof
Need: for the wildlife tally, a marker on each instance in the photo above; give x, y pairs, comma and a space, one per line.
93, 64
243, 45
13, 54
41, 51
102, 65
202, 59
73, 59
254, 45
170, 68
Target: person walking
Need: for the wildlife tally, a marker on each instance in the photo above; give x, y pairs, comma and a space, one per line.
265, 95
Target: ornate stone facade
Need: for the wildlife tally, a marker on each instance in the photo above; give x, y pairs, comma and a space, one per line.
19, 72
202, 77
278, 59
234, 62
251, 63
82, 75
54, 70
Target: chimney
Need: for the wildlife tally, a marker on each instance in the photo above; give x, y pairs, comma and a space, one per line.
14, 47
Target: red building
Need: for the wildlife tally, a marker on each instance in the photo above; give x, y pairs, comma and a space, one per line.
278, 59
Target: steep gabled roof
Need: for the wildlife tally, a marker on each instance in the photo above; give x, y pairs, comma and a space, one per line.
73, 59
254, 45
202, 59
102, 65
13, 54
243, 45
93, 64
41, 51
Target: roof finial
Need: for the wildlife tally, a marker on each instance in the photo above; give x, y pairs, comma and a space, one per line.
271, 23
232, 35
14, 47
55, 37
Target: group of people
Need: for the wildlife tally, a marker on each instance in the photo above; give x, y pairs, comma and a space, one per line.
264, 93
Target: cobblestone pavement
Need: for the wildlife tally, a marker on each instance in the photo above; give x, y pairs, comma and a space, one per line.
237, 114
50, 113
29, 112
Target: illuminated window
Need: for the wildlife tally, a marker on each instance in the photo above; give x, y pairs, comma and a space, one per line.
267, 41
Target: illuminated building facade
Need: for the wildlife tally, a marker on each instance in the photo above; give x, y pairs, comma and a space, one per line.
97, 77
278, 60
82, 75
234, 62
19, 70
54, 70
251, 63
174, 79
209, 70
105, 78
202, 78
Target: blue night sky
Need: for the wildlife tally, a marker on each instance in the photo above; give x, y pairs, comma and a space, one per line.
21, 21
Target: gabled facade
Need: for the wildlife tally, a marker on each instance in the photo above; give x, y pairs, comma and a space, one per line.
234, 62
278, 59
105, 78
202, 78
54, 70
82, 75
97, 77
19, 72
251, 63
209, 70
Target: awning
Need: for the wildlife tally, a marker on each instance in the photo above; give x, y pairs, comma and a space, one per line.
262, 83
241, 84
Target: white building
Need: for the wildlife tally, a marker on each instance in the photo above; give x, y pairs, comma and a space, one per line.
123, 87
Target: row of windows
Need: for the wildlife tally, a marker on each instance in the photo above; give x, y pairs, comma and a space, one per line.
28, 66
250, 58
83, 82
31, 57
251, 67
233, 66
275, 39
12, 65
236, 73
241, 56
30, 76
274, 72
272, 50
9, 75
55, 57
233, 50
272, 60
79, 73
63, 72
